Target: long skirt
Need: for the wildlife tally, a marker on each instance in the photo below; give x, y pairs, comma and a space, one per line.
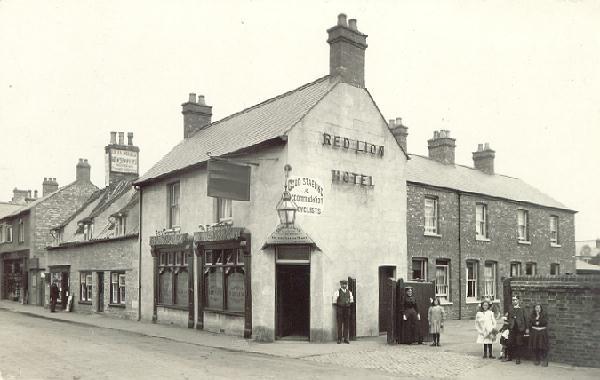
538, 339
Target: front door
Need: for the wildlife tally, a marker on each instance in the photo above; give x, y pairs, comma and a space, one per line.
385, 297
64, 289
293, 301
100, 292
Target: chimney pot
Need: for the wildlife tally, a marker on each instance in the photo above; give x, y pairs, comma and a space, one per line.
352, 24
113, 137
201, 100
391, 123
598, 243
192, 98
35, 194
398, 121
342, 20
121, 138
129, 138
479, 147
487, 146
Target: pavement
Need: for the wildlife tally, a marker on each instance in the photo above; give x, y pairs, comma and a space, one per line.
459, 357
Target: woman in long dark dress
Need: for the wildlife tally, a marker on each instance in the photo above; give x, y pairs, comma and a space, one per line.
411, 317
538, 335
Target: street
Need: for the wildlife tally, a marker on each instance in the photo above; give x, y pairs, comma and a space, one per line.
36, 348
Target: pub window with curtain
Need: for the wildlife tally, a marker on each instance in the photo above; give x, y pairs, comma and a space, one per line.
173, 279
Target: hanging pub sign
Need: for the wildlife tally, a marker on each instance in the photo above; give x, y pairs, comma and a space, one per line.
228, 180
307, 193
349, 144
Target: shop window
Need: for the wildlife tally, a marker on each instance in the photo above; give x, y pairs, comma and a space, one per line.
490, 280
431, 216
224, 210
522, 225
419, 269
174, 205
515, 269
481, 220
85, 281
554, 230
442, 279
117, 288
530, 269
173, 279
555, 269
21, 231
472, 280
224, 277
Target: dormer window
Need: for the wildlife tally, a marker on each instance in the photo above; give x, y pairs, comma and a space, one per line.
88, 231
121, 225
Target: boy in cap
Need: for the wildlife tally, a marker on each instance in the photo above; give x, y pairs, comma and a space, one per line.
343, 299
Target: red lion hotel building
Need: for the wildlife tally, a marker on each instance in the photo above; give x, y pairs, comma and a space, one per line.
215, 255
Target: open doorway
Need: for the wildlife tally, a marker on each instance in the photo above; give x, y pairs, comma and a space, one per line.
293, 301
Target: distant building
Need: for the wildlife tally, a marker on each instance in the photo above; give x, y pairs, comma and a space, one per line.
25, 232
588, 256
469, 227
94, 255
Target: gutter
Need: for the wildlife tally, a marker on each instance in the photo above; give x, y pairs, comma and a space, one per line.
139, 316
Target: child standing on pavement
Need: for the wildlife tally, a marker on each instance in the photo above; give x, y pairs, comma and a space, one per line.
504, 331
486, 328
436, 315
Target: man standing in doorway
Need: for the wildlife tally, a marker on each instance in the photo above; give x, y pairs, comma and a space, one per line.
343, 299
518, 327
53, 296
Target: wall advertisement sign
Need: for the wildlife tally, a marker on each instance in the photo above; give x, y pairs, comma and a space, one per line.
307, 193
123, 161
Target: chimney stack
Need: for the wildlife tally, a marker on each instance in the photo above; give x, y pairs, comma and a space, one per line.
400, 132
196, 115
121, 161
347, 51
483, 159
82, 170
49, 186
441, 147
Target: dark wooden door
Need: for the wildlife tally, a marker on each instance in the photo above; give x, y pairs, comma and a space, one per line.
352, 325
101, 292
385, 299
64, 289
423, 292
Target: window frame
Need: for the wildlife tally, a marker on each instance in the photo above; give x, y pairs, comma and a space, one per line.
118, 293
533, 268
88, 231
21, 237
9, 233
472, 283
1, 233
227, 268
423, 268
481, 226
518, 266
431, 228
224, 206
522, 225
86, 293
490, 283
167, 263
173, 205
121, 225
554, 234
555, 267
443, 264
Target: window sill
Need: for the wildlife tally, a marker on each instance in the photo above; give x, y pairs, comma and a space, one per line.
118, 305
85, 303
446, 303
430, 234
524, 242
225, 312
554, 245
470, 301
174, 307
478, 238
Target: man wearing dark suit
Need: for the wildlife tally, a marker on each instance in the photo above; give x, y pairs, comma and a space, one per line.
518, 326
343, 299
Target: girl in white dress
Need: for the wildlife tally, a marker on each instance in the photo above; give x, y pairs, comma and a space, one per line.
485, 323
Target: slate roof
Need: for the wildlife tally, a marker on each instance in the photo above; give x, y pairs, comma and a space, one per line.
266, 121
426, 171
8, 208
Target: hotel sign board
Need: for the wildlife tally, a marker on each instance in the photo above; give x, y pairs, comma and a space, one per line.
307, 193
123, 161
228, 180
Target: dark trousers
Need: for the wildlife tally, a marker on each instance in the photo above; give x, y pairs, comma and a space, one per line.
343, 322
516, 344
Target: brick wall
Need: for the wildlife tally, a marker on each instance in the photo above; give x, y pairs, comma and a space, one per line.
502, 248
572, 304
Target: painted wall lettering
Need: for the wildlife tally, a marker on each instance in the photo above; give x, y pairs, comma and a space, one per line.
340, 176
350, 144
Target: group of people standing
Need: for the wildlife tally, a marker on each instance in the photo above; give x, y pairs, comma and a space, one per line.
517, 325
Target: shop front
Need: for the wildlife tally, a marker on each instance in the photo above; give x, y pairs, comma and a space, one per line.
59, 275
14, 276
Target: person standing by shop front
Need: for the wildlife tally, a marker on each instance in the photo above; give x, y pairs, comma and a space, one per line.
53, 296
343, 300
518, 327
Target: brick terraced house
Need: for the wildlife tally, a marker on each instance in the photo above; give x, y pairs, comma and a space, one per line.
25, 233
94, 255
468, 228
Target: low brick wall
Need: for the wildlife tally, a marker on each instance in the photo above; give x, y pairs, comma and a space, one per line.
572, 304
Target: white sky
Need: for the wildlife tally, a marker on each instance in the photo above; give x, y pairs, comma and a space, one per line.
523, 76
